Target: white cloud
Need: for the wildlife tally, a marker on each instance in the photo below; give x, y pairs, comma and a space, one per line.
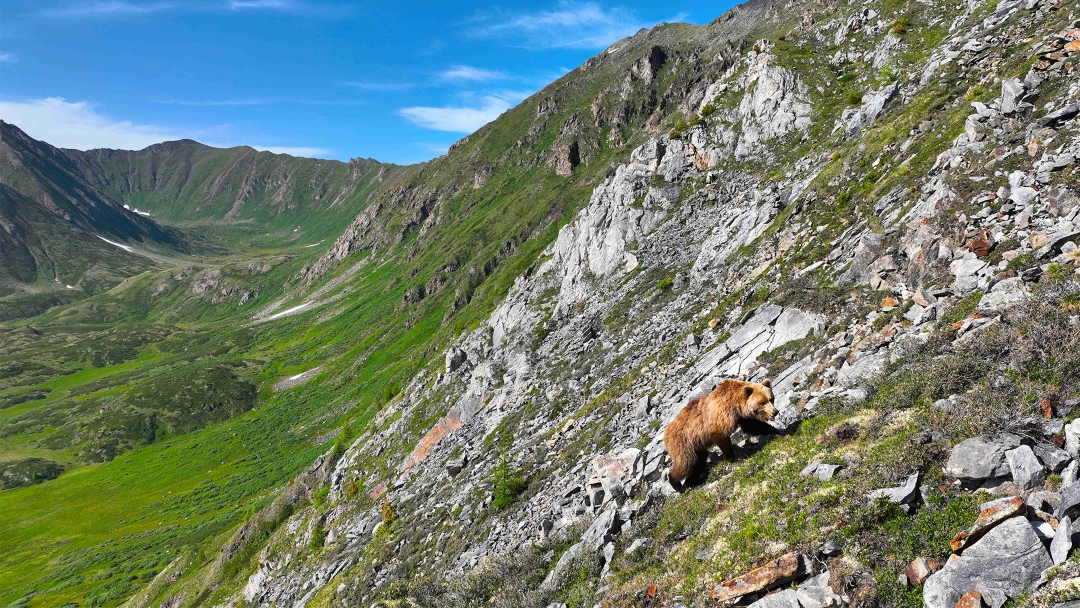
78, 125
280, 5
380, 86
462, 119
109, 8
7, 58
124, 8
468, 72
571, 25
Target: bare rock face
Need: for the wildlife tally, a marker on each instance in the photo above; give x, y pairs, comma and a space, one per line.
774, 105
566, 158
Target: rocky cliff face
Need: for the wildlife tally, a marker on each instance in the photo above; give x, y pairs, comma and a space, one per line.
861, 195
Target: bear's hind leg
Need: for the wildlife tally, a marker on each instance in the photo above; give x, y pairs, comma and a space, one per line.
684, 459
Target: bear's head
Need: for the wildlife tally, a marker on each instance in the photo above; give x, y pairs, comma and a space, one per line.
759, 400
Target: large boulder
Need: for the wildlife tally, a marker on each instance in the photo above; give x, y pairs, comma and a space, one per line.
1003, 564
980, 458
1027, 471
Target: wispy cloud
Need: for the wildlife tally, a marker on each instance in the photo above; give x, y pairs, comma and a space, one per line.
433, 147
462, 119
110, 8
468, 72
239, 5
570, 25
380, 86
7, 58
80, 125
123, 8
258, 101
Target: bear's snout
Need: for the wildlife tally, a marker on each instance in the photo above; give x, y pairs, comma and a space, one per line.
770, 412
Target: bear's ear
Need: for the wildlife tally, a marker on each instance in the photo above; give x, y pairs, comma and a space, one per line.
749, 391
766, 382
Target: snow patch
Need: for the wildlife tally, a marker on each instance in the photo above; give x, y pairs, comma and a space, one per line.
124, 247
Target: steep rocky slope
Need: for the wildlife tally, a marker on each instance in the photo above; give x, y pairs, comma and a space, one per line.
857, 202
873, 204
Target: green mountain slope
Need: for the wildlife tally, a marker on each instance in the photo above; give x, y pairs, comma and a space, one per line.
189, 183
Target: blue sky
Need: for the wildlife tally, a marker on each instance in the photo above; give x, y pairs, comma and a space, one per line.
396, 81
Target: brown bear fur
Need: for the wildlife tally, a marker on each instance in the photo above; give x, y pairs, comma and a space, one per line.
711, 419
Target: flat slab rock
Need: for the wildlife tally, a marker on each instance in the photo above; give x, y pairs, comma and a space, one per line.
981, 458
990, 514
780, 571
1008, 560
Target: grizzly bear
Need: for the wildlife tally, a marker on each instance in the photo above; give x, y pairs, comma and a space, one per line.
711, 419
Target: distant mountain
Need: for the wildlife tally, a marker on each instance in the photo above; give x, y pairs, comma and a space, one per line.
188, 182
59, 233
71, 218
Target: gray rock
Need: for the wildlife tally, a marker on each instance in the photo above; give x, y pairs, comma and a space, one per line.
600, 532
1062, 543
815, 592
1059, 116
1070, 502
823, 472
565, 561
906, 495
1004, 294
692, 342
788, 598
1044, 500
1052, 458
1072, 438
831, 548
1069, 474
455, 357
1027, 471
456, 465
1053, 246
865, 368
1012, 91
981, 458
639, 543
1003, 564
609, 552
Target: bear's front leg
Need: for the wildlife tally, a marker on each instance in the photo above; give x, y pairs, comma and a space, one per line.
723, 441
753, 426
